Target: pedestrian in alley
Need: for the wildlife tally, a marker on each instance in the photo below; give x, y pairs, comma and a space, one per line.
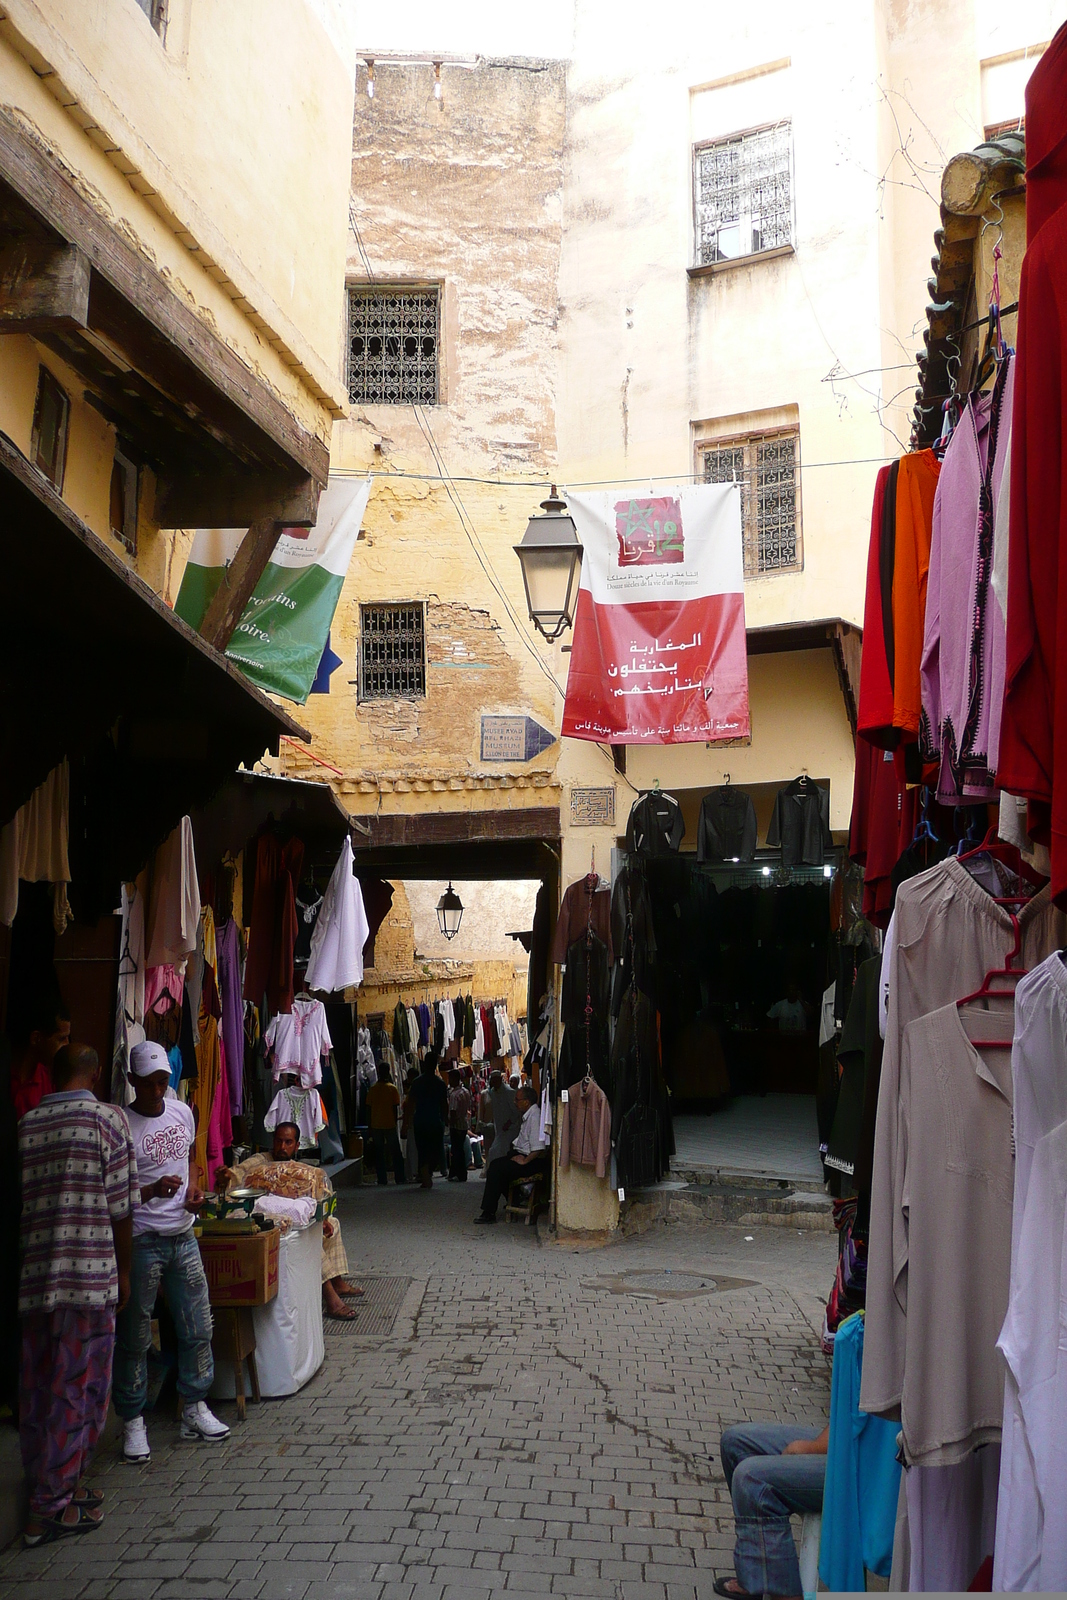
528, 1155
503, 1110
79, 1188
773, 1471
42, 1032
165, 1254
383, 1102
429, 1099
459, 1121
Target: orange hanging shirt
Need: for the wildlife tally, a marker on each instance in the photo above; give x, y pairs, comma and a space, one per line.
916, 484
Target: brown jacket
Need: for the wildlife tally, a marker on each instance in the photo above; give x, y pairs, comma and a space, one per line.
585, 1131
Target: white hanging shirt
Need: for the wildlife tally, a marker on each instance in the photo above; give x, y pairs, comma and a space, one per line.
302, 1106
1030, 1511
336, 960
297, 1041
173, 920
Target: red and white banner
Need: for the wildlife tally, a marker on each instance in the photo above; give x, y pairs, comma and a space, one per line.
659, 635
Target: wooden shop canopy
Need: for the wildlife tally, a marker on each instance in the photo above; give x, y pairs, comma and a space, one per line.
96, 668
224, 448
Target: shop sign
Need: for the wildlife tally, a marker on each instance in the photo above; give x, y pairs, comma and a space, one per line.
593, 808
513, 738
283, 632
659, 651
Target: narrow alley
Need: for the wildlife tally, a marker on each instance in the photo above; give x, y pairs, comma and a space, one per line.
540, 1419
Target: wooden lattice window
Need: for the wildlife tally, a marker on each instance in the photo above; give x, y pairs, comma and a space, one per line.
392, 652
767, 467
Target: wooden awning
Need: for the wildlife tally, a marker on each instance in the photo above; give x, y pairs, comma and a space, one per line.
225, 449
96, 668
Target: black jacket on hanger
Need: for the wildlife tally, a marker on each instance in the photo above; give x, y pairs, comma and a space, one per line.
656, 827
801, 823
727, 830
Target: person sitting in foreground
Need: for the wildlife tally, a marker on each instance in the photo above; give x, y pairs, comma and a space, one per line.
334, 1258
528, 1155
773, 1471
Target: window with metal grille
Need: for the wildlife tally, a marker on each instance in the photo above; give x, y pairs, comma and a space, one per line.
744, 194
767, 466
392, 653
393, 340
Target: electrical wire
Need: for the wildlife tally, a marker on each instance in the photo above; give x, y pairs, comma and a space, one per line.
585, 483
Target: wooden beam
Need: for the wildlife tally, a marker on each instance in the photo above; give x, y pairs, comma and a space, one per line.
232, 500
43, 286
37, 178
238, 582
425, 828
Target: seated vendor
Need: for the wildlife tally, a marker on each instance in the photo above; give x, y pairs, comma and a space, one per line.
773, 1471
528, 1155
334, 1259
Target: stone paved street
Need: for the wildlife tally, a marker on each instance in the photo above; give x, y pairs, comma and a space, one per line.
524, 1430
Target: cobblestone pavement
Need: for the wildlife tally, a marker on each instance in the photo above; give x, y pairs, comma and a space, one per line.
525, 1429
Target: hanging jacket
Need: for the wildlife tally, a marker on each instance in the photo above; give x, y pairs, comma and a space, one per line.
656, 826
727, 830
801, 823
585, 1128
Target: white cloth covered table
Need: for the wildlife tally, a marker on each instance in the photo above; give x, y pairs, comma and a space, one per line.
290, 1347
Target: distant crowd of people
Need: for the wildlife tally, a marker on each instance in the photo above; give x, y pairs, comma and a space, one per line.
446, 1118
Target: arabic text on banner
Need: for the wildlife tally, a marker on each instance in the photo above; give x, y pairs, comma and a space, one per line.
659, 636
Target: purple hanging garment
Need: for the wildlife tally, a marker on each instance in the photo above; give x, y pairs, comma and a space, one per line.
228, 950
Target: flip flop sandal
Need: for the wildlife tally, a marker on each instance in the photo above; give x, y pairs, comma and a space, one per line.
722, 1586
353, 1292
339, 1316
90, 1498
56, 1528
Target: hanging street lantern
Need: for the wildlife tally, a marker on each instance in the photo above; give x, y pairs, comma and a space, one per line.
551, 558
450, 912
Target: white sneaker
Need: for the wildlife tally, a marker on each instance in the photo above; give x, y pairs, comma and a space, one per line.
200, 1423
135, 1446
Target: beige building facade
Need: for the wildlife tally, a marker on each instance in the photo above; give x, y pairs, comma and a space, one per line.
210, 195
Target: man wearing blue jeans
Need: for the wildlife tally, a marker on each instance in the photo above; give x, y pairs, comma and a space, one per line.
773, 1471
165, 1256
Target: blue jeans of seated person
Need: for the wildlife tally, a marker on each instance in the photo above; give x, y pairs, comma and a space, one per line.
170, 1261
767, 1488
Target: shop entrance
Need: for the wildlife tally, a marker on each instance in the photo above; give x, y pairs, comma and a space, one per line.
743, 956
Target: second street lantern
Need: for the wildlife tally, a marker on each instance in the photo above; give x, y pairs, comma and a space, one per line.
450, 912
551, 557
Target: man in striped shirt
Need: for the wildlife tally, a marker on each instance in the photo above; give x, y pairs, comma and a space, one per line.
79, 1187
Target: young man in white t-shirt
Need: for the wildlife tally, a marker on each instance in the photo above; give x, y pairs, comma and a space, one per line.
165, 1253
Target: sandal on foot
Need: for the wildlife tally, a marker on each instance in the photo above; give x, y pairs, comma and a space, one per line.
729, 1588
58, 1528
91, 1498
347, 1315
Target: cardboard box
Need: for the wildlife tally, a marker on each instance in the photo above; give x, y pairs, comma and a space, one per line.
241, 1271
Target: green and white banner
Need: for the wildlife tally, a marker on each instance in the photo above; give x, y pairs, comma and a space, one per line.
279, 640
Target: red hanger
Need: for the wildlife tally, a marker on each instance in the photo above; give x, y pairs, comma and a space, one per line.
1008, 855
1007, 971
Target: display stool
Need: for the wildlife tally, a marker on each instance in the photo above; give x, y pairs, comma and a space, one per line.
810, 1535
232, 1343
526, 1206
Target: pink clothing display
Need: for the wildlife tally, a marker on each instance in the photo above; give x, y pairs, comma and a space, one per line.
964, 640
220, 1130
298, 1041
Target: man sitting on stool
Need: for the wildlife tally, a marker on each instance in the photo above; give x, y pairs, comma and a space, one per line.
773, 1471
528, 1155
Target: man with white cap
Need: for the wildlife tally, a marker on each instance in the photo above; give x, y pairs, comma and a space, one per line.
165, 1255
